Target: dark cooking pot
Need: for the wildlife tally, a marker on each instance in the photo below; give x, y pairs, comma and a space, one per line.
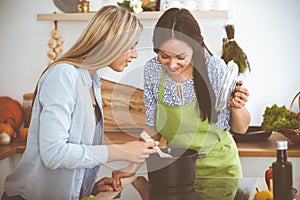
167, 195
177, 172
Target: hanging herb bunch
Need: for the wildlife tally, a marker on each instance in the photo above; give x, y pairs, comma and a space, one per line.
232, 51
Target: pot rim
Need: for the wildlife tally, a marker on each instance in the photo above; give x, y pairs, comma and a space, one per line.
194, 154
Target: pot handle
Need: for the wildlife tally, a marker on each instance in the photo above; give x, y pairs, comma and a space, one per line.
200, 155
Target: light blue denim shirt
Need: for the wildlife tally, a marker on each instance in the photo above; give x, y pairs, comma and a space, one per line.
63, 139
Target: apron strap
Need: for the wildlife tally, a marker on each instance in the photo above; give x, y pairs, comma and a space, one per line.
161, 84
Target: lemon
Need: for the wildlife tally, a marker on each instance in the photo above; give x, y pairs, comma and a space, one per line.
263, 195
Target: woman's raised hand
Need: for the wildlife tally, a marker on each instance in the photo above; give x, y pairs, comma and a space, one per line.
240, 96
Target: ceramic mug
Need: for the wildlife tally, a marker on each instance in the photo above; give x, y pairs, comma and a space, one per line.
221, 5
189, 5
172, 4
95, 5
204, 4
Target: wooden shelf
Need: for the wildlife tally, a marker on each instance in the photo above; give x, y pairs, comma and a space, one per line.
142, 15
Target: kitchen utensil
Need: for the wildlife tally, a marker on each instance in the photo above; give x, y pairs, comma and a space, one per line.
69, 6
253, 134
173, 174
227, 86
221, 4
124, 130
190, 5
172, 4
147, 138
204, 4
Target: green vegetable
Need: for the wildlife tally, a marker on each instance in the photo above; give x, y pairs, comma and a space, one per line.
275, 118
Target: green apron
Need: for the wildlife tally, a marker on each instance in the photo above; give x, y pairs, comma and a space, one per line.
181, 126
216, 188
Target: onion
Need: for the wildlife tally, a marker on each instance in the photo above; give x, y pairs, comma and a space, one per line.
51, 54
58, 50
59, 41
54, 33
52, 43
4, 138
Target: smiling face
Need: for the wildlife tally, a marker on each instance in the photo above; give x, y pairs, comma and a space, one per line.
122, 61
176, 56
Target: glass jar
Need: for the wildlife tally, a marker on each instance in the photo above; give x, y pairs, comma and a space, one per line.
27, 106
227, 86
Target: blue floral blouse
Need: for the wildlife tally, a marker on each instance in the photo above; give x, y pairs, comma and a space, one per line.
152, 72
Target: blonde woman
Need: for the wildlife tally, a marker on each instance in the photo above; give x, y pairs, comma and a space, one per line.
64, 149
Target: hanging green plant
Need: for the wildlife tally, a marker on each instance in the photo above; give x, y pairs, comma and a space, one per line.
232, 51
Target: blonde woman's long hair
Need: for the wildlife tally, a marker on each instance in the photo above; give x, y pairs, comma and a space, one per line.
110, 33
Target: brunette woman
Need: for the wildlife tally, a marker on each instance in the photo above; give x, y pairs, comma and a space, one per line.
180, 89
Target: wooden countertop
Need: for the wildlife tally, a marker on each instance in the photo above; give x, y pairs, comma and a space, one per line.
246, 149
267, 148
16, 146
257, 149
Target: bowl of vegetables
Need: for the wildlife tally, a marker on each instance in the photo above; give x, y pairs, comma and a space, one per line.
280, 119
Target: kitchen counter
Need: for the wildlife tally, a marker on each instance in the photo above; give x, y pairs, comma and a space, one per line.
246, 186
258, 149
267, 148
204, 188
16, 146
246, 149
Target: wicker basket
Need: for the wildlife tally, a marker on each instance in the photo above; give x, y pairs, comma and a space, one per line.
293, 134
293, 101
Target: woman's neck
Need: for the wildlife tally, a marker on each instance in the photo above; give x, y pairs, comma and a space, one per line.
183, 75
92, 72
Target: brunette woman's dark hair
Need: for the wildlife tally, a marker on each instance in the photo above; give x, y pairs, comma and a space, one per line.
180, 24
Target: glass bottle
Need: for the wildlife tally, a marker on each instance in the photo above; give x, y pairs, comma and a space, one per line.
282, 173
27, 103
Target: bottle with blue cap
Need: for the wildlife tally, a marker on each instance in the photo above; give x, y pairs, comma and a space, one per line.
282, 173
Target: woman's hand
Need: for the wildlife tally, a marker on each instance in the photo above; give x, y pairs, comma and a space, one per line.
135, 151
107, 184
127, 171
240, 96
122, 173
240, 116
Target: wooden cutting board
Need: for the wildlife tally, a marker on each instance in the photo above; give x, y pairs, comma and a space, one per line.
123, 106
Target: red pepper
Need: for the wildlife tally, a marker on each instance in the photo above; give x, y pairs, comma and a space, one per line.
268, 176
